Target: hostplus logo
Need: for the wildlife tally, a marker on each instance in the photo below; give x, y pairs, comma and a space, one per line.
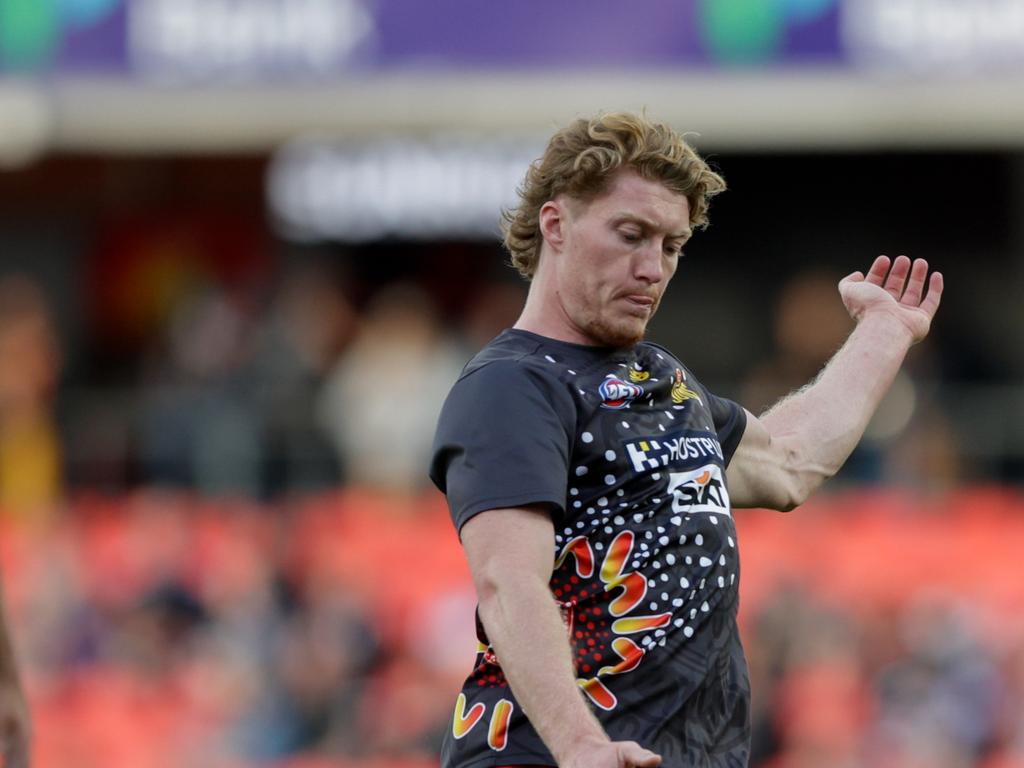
31, 31
687, 447
745, 31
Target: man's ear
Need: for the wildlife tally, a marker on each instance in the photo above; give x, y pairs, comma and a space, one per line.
552, 223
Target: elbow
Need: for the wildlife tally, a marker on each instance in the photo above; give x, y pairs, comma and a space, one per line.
790, 500
494, 581
488, 583
801, 486
489, 595
789, 504
499, 592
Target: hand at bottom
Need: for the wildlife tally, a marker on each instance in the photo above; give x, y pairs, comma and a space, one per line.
614, 754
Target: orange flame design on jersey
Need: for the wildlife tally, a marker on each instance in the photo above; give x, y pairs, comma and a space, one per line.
640, 623
463, 722
633, 585
618, 554
598, 693
497, 734
634, 589
631, 655
580, 549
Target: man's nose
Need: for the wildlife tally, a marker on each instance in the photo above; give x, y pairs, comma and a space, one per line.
650, 266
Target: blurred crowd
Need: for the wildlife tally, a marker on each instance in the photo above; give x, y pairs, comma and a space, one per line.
291, 390
165, 629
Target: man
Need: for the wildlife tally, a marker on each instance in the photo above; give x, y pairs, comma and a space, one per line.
592, 476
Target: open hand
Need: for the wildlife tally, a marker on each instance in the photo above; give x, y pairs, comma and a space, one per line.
898, 291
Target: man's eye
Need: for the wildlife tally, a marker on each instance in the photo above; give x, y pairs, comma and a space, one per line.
631, 237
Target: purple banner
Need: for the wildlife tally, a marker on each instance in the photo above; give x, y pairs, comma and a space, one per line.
253, 40
597, 35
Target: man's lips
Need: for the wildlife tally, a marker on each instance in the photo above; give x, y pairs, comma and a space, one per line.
640, 300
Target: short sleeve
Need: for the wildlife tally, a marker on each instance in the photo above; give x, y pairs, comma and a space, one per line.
730, 422
503, 440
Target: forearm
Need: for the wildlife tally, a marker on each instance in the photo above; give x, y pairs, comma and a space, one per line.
531, 642
821, 424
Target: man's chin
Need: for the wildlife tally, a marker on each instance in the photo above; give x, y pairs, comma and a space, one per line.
618, 335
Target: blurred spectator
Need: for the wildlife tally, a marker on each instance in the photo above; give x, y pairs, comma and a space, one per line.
320, 662
231, 408
382, 400
1008, 751
938, 702
809, 323
925, 456
198, 427
310, 324
495, 307
811, 704
30, 361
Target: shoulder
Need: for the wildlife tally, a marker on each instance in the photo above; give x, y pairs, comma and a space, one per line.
511, 382
509, 362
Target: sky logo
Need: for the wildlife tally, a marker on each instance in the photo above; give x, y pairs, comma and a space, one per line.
31, 30
749, 31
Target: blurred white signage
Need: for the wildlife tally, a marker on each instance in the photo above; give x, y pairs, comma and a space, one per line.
396, 187
198, 39
926, 35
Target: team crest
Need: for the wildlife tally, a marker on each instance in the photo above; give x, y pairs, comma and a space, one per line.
616, 393
680, 392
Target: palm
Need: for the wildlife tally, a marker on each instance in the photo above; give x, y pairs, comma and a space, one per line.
898, 292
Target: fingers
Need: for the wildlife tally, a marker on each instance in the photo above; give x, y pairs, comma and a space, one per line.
879, 269
635, 756
897, 280
915, 285
905, 281
648, 762
931, 302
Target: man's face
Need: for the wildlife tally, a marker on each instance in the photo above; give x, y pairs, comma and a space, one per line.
618, 253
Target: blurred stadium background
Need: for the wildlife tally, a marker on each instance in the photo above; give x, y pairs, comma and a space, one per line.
246, 245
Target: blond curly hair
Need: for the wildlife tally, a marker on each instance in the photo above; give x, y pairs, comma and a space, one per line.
580, 160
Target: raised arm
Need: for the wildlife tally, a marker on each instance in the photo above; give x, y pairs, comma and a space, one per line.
510, 557
802, 440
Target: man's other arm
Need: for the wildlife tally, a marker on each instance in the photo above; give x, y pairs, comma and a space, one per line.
510, 557
804, 439
15, 728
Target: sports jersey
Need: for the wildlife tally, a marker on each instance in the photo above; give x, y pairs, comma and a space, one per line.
628, 451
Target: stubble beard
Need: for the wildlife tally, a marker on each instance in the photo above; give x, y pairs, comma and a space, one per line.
609, 333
